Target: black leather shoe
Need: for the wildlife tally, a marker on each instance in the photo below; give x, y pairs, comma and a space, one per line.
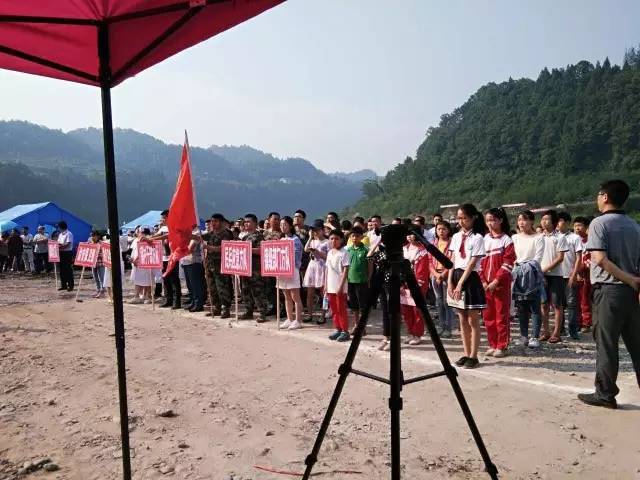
196, 309
595, 401
165, 305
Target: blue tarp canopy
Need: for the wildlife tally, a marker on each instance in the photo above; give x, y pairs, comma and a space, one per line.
48, 214
149, 219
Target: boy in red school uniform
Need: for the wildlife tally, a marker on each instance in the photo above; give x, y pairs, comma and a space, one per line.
580, 228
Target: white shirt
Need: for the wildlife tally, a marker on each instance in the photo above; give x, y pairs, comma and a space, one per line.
40, 248
164, 229
473, 246
430, 234
574, 243
528, 247
124, 243
65, 237
374, 238
26, 241
336, 261
554, 243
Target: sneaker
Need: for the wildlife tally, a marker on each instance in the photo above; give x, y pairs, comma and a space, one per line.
524, 341
407, 341
335, 335
387, 347
489, 352
285, 324
446, 334
225, 313
585, 330
595, 401
343, 337
383, 343
261, 318
146, 301
461, 361
248, 315
415, 341
136, 301
499, 353
471, 363
295, 325
534, 343
307, 319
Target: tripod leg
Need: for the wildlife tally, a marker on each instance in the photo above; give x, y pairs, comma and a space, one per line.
395, 375
343, 371
451, 373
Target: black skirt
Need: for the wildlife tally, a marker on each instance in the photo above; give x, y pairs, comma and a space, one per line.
475, 298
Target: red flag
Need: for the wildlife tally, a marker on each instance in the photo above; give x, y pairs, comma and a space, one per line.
183, 214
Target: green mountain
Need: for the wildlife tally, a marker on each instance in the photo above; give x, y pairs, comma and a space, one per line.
38, 164
546, 141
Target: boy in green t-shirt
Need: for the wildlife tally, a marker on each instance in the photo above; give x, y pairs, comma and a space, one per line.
359, 274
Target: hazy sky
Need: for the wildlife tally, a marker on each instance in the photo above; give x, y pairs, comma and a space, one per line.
347, 84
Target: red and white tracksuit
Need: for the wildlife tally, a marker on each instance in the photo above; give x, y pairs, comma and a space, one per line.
584, 287
497, 264
419, 259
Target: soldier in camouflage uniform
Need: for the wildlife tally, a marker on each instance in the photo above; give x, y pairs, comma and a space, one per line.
254, 289
219, 286
273, 233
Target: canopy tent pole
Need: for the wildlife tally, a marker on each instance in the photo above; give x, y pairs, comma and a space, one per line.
112, 208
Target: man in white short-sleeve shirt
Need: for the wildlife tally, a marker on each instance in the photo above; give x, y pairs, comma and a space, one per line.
65, 242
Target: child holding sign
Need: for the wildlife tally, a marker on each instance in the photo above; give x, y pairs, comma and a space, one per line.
142, 279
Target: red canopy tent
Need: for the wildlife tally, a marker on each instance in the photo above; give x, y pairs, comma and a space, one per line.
102, 43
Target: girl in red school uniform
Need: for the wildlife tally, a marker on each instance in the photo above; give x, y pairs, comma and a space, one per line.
419, 258
497, 264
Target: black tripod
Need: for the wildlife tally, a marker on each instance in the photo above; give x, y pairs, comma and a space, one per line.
399, 271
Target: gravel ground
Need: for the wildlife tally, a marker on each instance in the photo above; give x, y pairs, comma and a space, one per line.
250, 396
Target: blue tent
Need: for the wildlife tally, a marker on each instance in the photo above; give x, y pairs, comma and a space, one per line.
149, 219
47, 214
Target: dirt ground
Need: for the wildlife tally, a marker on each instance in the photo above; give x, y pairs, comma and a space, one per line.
251, 396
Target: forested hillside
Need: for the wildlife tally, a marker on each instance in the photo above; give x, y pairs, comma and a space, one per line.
38, 164
544, 141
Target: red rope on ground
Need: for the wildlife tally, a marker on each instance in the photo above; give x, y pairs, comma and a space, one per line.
299, 474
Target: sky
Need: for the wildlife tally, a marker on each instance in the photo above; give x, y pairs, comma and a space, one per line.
346, 84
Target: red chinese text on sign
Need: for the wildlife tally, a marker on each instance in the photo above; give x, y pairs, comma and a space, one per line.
87, 255
106, 253
277, 258
149, 255
53, 248
235, 258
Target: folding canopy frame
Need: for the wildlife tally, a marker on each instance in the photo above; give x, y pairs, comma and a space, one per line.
102, 43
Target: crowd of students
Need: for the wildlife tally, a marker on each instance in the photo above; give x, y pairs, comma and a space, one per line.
540, 272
